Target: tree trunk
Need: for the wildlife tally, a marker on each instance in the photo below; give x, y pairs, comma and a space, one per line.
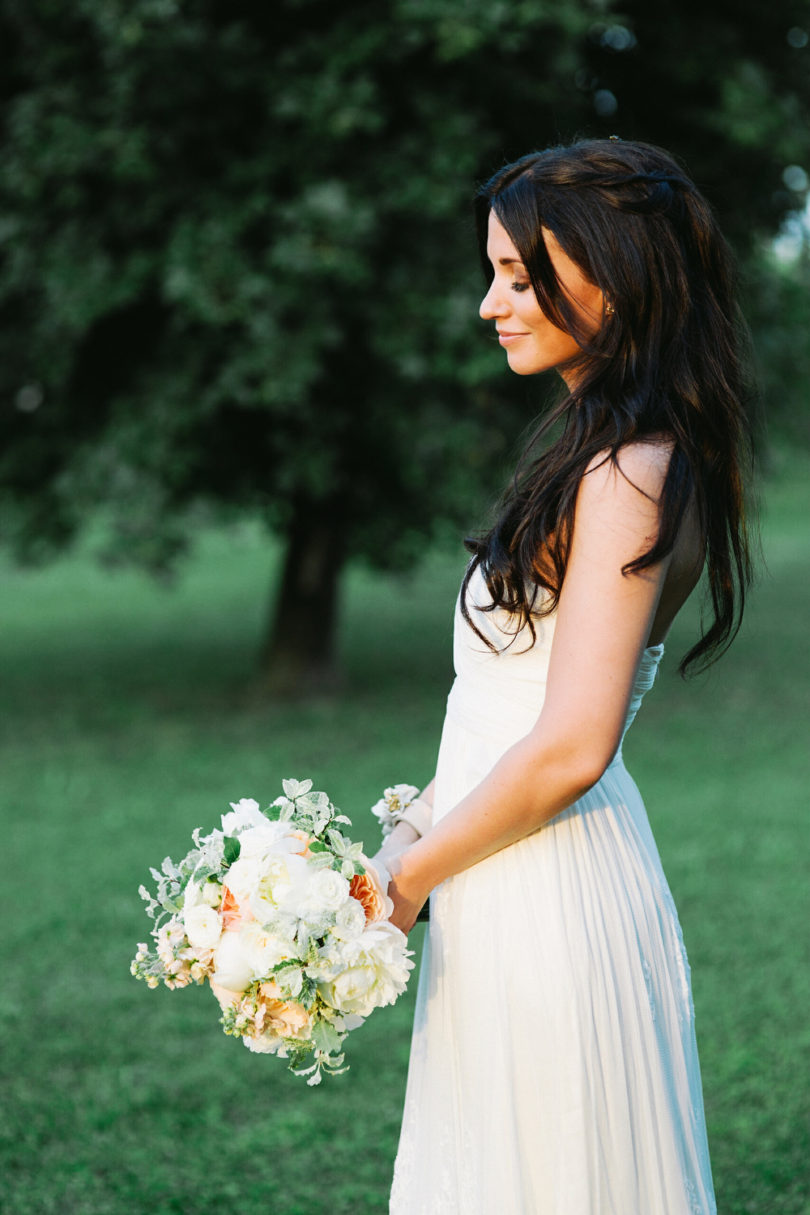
299, 651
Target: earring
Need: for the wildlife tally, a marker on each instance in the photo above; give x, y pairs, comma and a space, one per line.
609, 309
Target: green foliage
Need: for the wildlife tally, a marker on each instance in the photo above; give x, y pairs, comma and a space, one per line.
240, 267
777, 303
236, 263
232, 848
720, 85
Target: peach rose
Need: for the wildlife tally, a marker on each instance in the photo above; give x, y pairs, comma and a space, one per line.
282, 1017
368, 890
225, 997
233, 915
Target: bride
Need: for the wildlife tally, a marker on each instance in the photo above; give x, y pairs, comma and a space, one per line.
554, 1068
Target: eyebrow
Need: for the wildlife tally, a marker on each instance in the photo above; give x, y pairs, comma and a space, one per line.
509, 261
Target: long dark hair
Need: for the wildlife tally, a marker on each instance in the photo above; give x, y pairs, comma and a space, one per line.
667, 364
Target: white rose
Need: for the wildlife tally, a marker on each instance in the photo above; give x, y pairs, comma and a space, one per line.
350, 920
232, 965
322, 895
203, 926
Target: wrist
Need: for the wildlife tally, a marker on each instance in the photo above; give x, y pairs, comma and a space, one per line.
409, 876
418, 815
402, 836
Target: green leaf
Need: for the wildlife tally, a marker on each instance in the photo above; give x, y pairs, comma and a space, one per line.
326, 1038
308, 992
232, 849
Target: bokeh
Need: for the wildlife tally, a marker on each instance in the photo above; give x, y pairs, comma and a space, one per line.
247, 415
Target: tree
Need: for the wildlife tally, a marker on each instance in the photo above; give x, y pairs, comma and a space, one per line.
237, 263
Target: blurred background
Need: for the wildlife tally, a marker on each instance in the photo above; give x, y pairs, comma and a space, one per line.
247, 414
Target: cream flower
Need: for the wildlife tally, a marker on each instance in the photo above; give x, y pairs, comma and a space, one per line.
372, 971
280, 878
203, 926
263, 950
318, 898
350, 920
242, 879
258, 841
212, 894
232, 968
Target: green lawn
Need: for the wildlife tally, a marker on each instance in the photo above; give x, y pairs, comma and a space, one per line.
129, 718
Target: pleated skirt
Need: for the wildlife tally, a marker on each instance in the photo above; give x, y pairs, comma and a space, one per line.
554, 1067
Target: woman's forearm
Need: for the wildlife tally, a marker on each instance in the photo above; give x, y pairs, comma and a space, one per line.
526, 787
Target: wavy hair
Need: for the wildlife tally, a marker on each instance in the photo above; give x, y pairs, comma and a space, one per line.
668, 364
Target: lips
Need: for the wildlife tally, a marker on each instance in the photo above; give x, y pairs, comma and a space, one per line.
505, 338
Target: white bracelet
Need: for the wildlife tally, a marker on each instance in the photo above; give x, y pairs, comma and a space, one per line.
419, 815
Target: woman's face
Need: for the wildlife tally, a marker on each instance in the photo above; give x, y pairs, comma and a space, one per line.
532, 343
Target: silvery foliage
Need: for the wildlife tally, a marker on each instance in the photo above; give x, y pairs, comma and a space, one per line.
314, 812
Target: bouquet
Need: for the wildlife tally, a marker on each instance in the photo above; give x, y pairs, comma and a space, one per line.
287, 920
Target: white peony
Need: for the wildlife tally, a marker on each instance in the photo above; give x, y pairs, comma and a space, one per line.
263, 950
280, 877
245, 813
232, 963
368, 972
259, 841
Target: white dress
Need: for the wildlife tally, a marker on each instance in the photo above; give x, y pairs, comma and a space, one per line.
554, 1069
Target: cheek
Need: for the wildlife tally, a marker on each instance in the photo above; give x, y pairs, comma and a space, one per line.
529, 312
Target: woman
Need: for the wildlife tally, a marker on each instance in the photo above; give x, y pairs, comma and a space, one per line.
554, 1069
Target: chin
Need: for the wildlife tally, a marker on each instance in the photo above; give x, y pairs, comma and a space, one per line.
528, 367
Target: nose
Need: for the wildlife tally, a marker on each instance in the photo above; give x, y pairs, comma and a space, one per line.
492, 305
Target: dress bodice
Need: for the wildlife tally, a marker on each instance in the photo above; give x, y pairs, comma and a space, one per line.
499, 692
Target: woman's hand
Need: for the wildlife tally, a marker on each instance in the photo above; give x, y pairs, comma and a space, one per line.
407, 894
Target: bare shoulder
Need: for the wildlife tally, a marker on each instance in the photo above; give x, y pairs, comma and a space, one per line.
640, 467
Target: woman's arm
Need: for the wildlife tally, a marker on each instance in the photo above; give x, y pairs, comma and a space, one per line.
602, 626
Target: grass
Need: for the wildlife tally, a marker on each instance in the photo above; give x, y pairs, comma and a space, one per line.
128, 720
